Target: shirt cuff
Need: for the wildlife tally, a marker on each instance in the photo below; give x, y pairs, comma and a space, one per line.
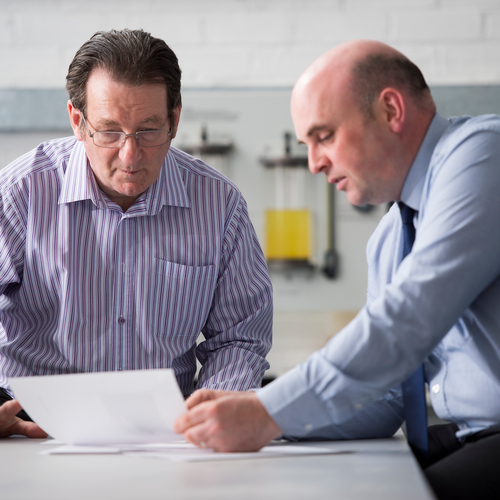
294, 407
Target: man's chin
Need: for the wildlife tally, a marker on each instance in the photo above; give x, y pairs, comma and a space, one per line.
132, 189
356, 201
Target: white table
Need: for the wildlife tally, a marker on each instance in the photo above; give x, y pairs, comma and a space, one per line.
368, 469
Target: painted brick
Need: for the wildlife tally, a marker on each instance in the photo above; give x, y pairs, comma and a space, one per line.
478, 4
36, 29
281, 66
31, 68
313, 5
58, 27
174, 28
383, 4
206, 67
253, 42
6, 30
469, 64
246, 6
340, 26
493, 25
434, 26
182, 28
248, 27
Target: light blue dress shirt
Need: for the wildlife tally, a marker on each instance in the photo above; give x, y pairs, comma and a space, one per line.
440, 305
86, 287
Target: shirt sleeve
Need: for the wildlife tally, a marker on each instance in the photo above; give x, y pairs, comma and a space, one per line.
238, 332
12, 232
454, 259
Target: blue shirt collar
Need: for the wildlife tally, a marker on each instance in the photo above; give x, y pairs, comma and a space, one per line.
414, 183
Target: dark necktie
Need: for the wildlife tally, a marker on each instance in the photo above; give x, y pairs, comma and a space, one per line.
413, 386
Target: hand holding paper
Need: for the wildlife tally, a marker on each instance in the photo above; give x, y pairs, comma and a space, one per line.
227, 421
104, 408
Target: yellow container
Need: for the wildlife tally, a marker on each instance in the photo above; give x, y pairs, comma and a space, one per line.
288, 234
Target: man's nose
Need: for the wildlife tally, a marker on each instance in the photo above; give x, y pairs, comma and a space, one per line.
130, 151
316, 160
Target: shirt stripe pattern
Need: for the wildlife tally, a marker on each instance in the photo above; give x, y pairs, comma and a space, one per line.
85, 287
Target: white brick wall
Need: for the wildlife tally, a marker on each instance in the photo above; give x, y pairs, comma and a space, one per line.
436, 27
254, 42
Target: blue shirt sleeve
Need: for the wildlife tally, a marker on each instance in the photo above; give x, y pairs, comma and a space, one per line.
412, 306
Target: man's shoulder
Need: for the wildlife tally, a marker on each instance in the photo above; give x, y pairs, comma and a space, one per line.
480, 121
49, 155
462, 127
192, 166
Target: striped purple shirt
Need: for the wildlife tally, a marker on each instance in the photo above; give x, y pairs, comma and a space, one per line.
85, 287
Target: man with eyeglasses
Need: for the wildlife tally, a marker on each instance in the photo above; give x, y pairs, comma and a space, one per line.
117, 250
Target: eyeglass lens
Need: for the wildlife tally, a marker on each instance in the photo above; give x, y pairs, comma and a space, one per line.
146, 138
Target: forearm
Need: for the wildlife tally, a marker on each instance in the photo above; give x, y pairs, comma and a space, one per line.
238, 331
301, 413
235, 359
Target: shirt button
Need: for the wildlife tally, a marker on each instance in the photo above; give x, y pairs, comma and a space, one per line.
308, 427
121, 320
436, 388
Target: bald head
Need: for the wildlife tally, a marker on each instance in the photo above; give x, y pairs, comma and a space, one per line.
364, 68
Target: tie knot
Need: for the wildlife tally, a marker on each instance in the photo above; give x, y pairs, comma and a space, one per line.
407, 213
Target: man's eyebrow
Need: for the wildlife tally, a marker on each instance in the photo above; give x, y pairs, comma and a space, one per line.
155, 119
314, 129
105, 122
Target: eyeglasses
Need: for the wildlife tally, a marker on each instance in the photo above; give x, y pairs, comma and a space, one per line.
146, 138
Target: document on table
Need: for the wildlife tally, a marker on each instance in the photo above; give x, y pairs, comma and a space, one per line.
186, 452
104, 408
129, 412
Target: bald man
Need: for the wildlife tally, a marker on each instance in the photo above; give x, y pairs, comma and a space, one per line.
370, 124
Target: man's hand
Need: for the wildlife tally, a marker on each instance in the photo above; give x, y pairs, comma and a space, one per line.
226, 421
10, 424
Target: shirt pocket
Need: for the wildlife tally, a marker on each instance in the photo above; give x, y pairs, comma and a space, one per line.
183, 297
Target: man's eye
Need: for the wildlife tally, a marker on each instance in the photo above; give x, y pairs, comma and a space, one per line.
325, 137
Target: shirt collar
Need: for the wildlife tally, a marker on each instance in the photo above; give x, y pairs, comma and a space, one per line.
169, 189
79, 183
414, 183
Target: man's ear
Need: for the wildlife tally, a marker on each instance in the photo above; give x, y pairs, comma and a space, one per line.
177, 117
392, 108
74, 119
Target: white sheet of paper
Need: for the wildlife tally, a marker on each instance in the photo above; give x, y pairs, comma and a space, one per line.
69, 449
66, 449
186, 452
104, 408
